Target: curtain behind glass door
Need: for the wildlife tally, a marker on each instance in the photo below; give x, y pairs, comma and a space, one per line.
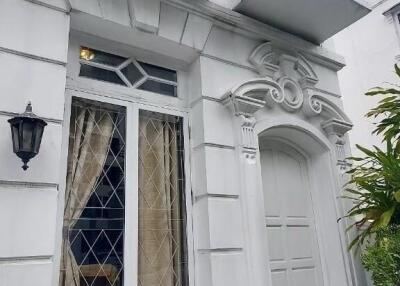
93, 230
162, 250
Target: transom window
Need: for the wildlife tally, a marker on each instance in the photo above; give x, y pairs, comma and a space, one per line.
129, 72
100, 225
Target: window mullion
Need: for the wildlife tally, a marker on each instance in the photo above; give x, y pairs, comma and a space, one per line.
131, 197
98, 65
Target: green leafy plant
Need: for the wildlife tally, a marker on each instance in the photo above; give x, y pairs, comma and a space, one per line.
382, 258
389, 108
375, 178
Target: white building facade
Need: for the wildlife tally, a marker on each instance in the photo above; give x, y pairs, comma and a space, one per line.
188, 143
371, 47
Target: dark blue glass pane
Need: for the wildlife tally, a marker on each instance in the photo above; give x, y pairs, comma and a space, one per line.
104, 58
159, 87
159, 72
100, 74
132, 73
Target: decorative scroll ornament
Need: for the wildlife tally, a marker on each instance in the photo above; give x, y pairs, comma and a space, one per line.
245, 100
336, 130
294, 94
265, 60
297, 94
312, 106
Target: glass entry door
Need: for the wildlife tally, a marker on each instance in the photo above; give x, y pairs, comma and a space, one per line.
125, 204
162, 239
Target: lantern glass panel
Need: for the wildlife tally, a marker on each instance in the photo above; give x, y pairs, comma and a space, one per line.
27, 134
38, 137
15, 136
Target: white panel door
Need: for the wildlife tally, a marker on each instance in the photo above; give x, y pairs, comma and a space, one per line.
290, 224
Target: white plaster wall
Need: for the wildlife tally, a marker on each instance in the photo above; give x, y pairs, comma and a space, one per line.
369, 47
33, 54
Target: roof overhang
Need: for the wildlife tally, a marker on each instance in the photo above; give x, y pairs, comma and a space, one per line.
312, 20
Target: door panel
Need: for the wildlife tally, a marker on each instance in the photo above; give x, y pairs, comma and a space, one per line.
94, 211
290, 223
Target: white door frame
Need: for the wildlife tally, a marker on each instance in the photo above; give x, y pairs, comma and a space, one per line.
280, 144
131, 182
321, 164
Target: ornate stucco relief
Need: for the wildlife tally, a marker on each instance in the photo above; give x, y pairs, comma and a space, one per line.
245, 100
286, 81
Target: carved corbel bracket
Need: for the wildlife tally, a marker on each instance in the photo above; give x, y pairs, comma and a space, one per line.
244, 108
242, 105
247, 98
244, 101
336, 130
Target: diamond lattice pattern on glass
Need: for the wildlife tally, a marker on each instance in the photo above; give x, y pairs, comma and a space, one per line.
94, 211
115, 69
162, 242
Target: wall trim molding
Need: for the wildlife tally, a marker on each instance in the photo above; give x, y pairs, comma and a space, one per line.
32, 57
228, 62
217, 196
203, 97
28, 185
213, 145
56, 8
26, 259
47, 119
326, 92
220, 250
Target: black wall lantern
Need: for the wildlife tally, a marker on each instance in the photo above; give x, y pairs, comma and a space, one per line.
27, 131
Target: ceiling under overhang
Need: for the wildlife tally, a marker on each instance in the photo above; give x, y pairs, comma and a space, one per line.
313, 20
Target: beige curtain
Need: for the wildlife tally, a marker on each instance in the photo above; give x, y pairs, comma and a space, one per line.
160, 252
90, 133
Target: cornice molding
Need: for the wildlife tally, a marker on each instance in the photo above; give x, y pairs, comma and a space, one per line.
249, 27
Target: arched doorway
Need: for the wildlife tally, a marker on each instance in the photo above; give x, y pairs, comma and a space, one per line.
300, 241
290, 222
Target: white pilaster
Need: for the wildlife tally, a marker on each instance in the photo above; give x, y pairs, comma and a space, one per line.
244, 102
